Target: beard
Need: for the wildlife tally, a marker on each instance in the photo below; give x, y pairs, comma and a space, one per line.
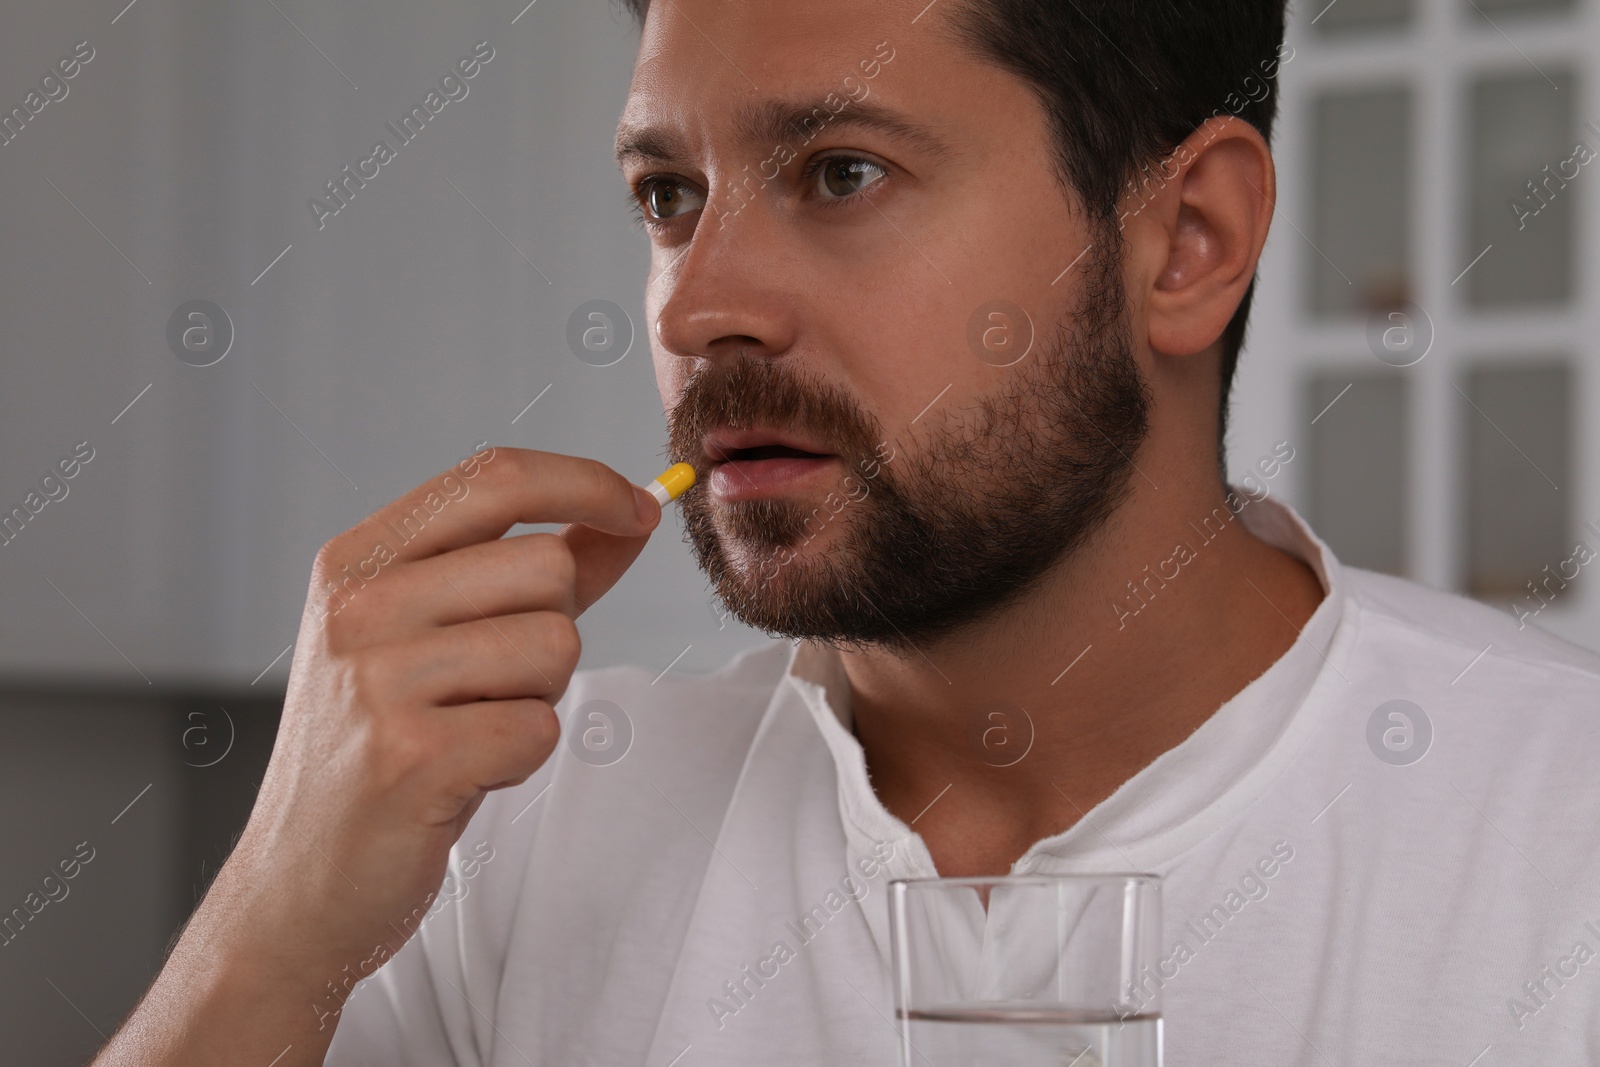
932, 540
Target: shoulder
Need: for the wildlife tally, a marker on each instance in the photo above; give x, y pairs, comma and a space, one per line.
1514, 712
1420, 620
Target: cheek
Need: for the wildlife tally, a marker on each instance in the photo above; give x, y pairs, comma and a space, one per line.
896, 355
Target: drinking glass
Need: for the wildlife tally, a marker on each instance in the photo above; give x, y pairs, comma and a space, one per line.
1028, 970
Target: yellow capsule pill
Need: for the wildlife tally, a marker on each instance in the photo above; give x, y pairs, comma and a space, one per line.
671, 483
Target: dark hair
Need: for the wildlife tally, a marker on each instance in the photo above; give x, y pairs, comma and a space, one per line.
1124, 82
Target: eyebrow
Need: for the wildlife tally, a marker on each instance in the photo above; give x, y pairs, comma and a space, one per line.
781, 121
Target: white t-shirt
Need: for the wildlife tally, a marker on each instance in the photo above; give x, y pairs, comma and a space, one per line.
718, 894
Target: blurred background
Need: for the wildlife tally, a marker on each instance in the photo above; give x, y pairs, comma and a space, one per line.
233, 376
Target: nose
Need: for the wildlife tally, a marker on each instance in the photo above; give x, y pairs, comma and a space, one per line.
733, 290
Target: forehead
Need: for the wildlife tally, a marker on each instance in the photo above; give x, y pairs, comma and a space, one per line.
752, 40
756, 72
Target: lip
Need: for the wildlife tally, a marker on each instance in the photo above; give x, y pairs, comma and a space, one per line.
751, 479
720, 442
734, 479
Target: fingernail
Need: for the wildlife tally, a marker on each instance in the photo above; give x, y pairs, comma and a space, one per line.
649, 510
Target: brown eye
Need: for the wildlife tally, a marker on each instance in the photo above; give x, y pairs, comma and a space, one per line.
845, 176
665, 199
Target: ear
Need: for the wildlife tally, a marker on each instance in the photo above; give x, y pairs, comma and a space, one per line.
1197, 226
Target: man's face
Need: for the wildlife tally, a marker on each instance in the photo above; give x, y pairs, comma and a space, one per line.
826, 286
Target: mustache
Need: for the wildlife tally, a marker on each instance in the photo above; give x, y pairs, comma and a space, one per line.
765, 392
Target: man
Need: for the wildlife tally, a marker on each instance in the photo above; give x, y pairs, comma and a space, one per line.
944, 301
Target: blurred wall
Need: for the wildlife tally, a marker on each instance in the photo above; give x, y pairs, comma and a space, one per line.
422, 318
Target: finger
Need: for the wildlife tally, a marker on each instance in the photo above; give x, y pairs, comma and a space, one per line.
529, 572
511, 740
482, 497
601, 558
505, 658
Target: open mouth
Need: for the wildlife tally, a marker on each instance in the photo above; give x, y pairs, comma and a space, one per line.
760, 452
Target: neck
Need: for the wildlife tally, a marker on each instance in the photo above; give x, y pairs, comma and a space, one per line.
1009, 731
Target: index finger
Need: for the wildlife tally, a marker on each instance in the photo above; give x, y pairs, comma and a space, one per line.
492, 490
